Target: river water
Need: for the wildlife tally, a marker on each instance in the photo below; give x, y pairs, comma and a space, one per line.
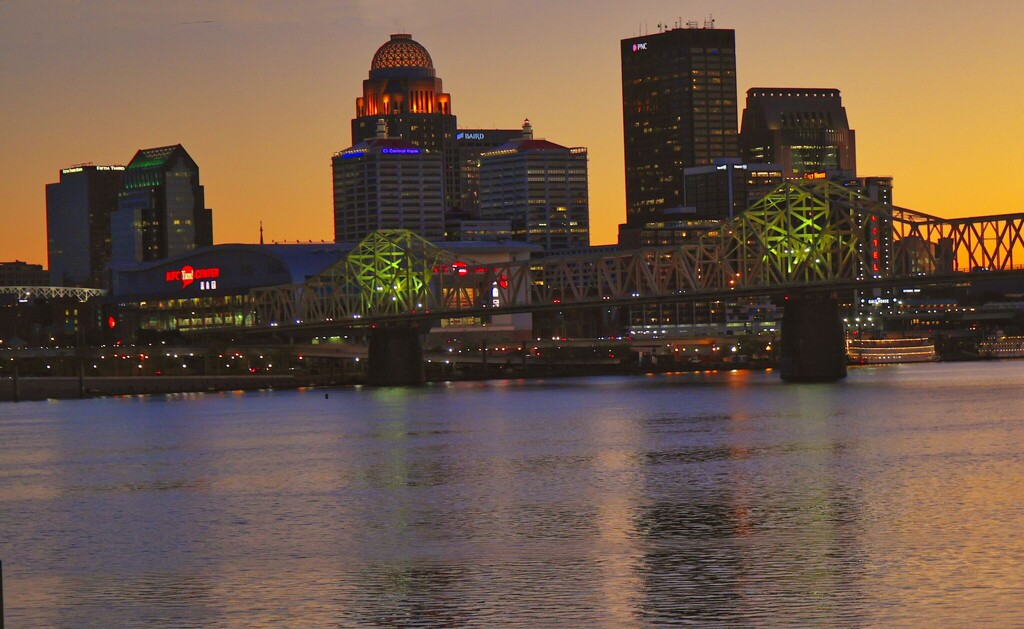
894, 498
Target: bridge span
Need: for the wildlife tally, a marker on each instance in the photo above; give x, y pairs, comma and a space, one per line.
806, 240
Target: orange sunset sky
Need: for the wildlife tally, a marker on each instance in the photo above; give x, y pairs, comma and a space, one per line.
261, 92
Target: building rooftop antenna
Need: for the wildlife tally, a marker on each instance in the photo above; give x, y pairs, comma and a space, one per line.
710, 21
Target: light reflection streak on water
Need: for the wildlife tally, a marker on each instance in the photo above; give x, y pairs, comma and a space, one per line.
712, 499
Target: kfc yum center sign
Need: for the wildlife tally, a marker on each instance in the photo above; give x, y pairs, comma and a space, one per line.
207, 278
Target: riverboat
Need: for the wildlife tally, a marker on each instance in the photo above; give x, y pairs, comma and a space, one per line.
1001, 346
883, 351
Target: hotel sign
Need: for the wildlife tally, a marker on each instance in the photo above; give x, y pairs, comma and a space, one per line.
187, 275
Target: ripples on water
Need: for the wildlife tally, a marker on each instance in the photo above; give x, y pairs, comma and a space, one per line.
893, 498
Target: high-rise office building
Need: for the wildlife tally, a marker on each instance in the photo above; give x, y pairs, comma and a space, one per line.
540, 188
161, 208
802, 129
387, 183
727, 187
471, 143
678, 110
78, 211
403, 89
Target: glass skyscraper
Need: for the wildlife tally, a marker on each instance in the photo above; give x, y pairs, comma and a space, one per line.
679, 110
78, 211
805, 130
161, 208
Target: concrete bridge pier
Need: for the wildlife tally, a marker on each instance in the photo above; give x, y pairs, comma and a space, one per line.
813, 342
395, 356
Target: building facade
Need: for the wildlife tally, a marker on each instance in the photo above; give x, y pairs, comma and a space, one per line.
804, 130
387, 183
679, 110
540, 188
161, 208
78, 213
471, 144
20, 273
726, 188
403, 89
878, 189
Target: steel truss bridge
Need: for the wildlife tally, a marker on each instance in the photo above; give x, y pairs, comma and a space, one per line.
801, 235
52, 292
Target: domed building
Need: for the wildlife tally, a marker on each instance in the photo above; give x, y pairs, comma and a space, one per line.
404, 91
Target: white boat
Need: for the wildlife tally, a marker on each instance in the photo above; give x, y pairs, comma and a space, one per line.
1002, 346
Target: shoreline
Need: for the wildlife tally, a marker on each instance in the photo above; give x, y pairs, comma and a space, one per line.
37, 388
63, 388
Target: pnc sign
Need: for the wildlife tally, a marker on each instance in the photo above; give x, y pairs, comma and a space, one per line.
639, 46
187, 275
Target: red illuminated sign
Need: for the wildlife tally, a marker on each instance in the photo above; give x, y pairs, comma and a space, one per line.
187, 275
462, 269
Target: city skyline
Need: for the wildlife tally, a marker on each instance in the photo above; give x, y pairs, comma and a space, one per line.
262, 94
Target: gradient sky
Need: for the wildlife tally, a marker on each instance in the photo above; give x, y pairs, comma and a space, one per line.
261, 92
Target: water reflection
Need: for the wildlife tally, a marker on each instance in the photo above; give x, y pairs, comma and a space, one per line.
711, 499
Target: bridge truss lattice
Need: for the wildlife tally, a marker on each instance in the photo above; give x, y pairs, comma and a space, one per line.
52, 292
801, 233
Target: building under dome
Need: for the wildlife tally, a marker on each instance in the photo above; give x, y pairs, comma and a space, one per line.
387, 183
404, 91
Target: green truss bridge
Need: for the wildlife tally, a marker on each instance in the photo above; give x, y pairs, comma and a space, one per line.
802, 238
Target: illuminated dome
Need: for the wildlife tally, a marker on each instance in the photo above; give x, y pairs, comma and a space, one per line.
401, 52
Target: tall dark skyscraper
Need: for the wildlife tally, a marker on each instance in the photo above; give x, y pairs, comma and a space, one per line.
78, 211
678, 110
802, 129
404, 91
161, 208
